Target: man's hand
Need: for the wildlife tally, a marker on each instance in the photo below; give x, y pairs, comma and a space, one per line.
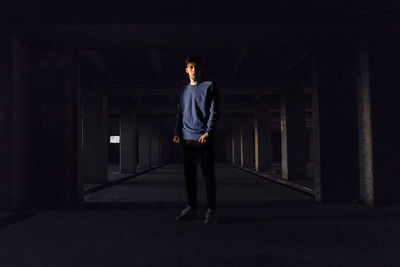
176, 139
203, 138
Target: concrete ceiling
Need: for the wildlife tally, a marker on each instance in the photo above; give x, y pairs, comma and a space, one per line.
254, 50
249, 64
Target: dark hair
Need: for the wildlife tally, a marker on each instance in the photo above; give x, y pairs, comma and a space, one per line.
193, 59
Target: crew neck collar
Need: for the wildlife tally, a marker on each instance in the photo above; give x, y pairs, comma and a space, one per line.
198, 83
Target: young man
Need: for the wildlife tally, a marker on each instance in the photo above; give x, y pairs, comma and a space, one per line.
196, 117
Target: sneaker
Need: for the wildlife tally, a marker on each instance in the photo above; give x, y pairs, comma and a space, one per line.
211, 217
188, 213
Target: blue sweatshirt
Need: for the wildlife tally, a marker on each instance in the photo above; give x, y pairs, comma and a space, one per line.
198, 110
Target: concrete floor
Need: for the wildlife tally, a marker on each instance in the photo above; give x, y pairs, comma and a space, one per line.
306, 182
114, 174
262, 223
167, 185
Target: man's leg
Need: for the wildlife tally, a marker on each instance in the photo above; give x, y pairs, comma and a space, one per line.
190, 165
207, 166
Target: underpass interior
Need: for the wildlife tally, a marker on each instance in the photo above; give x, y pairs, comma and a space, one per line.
306, 144
139, 90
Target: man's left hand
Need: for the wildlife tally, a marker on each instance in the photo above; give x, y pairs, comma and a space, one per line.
203, 138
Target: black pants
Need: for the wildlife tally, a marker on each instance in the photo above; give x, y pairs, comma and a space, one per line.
192, 150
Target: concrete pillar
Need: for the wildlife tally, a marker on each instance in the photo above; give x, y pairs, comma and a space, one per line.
169, 148
310, 143
6, 85
262, 139
128, 144
14, 123
165, 142
38, 142
246, 145
155, 145
229, 151
161, 149
236, 146
364, 124
163, 159
310, 153
53, 130
293, 134
378, 66
74, 180
334, 121
95, 137
144, 146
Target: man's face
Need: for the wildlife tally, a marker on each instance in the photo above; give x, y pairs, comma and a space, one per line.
193, 71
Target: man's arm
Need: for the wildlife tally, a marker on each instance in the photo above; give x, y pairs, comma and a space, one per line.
178, 125
214, 109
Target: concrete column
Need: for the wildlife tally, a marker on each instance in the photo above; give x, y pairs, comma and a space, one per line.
364, 124
378, 66
39, 156
74, 180
293, 134
95, 137
128, 139
229, 151
166, 141
161, 149
163, 159
310, 144
144, 146
169, 147
14, 123
155, 145
262, 139
236, 146
6, 85
334, 121
54, 128
310, 153
246, 146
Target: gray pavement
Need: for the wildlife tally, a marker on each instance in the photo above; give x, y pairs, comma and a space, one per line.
261, 223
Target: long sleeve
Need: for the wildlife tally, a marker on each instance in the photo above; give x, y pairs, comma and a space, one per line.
179, 124
214, 110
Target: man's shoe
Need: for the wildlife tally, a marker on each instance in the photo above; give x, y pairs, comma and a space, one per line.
187, 214
211, 217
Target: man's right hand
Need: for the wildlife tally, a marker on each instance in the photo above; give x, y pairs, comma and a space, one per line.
176, 139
